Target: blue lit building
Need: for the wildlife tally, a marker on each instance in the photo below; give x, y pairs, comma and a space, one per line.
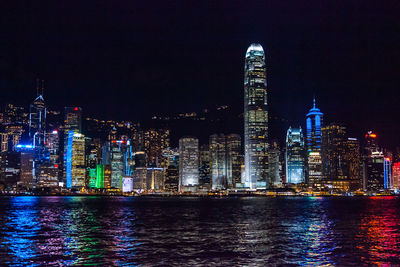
295, 156
314, 121
387, 173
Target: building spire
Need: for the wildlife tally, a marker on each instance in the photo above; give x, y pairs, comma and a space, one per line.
42, 87
37, 86
314, 102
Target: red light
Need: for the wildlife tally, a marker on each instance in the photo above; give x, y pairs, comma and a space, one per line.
387, 159
55, 165
75, 109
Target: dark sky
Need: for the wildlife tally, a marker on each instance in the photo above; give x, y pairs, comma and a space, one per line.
132, 59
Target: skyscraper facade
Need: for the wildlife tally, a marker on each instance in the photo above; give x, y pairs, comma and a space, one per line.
295, 156
75, 160
255, 119
37, 121
218, 164
314, 121
188, 163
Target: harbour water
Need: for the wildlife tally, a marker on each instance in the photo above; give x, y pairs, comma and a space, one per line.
181, 231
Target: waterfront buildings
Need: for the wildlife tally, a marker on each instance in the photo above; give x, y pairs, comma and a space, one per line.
295, 156
255, 119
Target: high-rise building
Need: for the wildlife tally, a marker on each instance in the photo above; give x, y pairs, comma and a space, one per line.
27, 165
352, 159
188, 163
155, 141
118, 148
234, 159
255, 119
171, 178
75, 160
314, 121
373, 164
73, 119
333, 150
155, 179
204, 167
387, 173
274, 165
225, 160
72, 122
37, 121
218, 162
295, 156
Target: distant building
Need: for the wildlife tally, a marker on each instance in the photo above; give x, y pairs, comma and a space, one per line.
373, 164
188, 163
155, 179
295, 156
204, 168
225, 160
155, 141
171, 178
255, 119
218, 162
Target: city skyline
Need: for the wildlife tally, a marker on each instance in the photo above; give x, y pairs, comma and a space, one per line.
312, 54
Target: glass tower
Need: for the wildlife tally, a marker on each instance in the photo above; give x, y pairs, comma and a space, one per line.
295, 161
188, 163
314, 120
255, 119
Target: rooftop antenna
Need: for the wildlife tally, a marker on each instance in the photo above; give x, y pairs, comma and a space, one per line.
314, 102
42, 87
37, 86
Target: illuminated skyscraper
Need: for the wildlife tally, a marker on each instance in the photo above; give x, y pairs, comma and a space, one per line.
37, 120
204, 167
234, 159
387, 173
225, 160
314, 120
218, 164
373, 164
188, 163
255, 119
75, 160
155, 141
295, 156
72, 122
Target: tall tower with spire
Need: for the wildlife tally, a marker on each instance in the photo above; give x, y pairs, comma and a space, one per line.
37, 117
314, 121
255, 119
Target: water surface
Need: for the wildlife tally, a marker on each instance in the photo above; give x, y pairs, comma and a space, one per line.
176, 231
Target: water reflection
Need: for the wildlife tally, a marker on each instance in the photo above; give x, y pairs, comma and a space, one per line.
379, 236
119, 231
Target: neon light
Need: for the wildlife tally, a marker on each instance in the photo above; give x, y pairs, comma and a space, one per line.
373, 135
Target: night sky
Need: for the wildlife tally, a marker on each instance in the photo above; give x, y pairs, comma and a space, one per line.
133, 59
